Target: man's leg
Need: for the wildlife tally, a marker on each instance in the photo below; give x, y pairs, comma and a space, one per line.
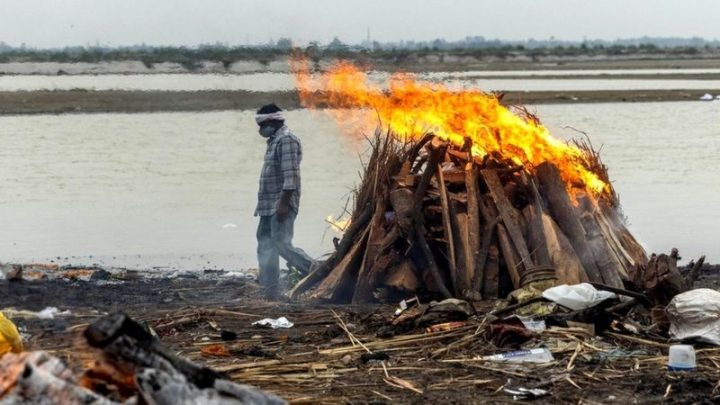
268, 259
282, 233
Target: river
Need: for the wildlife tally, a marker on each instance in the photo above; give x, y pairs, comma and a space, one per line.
177, 190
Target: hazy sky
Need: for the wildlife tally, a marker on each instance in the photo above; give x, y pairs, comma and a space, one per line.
50, 23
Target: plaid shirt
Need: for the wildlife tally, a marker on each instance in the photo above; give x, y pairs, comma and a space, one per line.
281, 171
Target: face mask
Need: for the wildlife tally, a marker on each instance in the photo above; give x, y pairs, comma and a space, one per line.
267, 131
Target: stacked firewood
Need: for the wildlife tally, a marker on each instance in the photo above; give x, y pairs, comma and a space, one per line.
432, 219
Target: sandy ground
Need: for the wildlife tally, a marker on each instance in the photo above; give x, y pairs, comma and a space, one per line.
53, 102
56, 102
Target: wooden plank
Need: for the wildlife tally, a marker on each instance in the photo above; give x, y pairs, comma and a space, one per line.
609, 265
512, 259
473, 228
491, 273
568, 268
334, 287
536, 231
403, 277
509, 216
447, 229
562, 211
364, 285
628, 242
491, 219
612, 240
462, 245
357, 227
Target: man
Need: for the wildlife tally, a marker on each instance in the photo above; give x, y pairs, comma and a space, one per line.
278, 199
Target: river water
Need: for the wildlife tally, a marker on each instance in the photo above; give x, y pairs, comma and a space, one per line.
268, 81
178, 190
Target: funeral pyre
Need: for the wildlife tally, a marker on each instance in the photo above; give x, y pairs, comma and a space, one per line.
465, 197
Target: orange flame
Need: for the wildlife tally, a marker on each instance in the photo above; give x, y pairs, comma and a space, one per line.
411, 108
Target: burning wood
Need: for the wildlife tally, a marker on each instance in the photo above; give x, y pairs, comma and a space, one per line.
430, 218
486, 203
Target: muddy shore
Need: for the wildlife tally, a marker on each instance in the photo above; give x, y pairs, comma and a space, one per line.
58, 102
315, 362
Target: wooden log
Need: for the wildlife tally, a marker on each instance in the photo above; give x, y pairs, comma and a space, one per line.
364, 286
437, 151
454, 176
662, 279
403, 277
536, 231
473, 230
128, 345
601, 224
510, 218
447, 229
568, 268
357, 226
490, 218
337, 286
536, 237
491, 273
462, 248
415, 149
605, 259
694, 272
613, 241
632, 246
562, 211
512, 259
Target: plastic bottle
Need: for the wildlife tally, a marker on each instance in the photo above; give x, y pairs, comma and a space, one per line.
681, 358
523, 356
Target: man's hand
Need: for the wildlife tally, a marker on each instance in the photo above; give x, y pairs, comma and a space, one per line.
281, 211
283, 205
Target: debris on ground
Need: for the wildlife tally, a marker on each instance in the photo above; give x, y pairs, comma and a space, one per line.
339, 355
10, 340
279, 323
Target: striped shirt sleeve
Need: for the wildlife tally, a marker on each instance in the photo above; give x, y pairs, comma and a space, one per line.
289, 156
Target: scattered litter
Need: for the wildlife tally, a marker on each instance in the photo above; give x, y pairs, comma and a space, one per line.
681, 358
280, 323
10, 340
405, 304
526, 393
695, 314
215, 350
509, 332
450, 309
51, 313
444, 327
533, 325
706, 97
523, 356
401, 308
228, 335
578, 296
229, 226
378, 356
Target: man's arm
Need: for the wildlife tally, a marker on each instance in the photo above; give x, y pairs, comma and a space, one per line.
290, 168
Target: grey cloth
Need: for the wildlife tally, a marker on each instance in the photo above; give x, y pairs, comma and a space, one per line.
275, 240
280, 171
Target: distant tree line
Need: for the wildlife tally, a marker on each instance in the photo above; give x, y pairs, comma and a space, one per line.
476, 46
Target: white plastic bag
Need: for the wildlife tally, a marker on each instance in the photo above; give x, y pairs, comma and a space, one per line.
576, 297
695, 314
280, 323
